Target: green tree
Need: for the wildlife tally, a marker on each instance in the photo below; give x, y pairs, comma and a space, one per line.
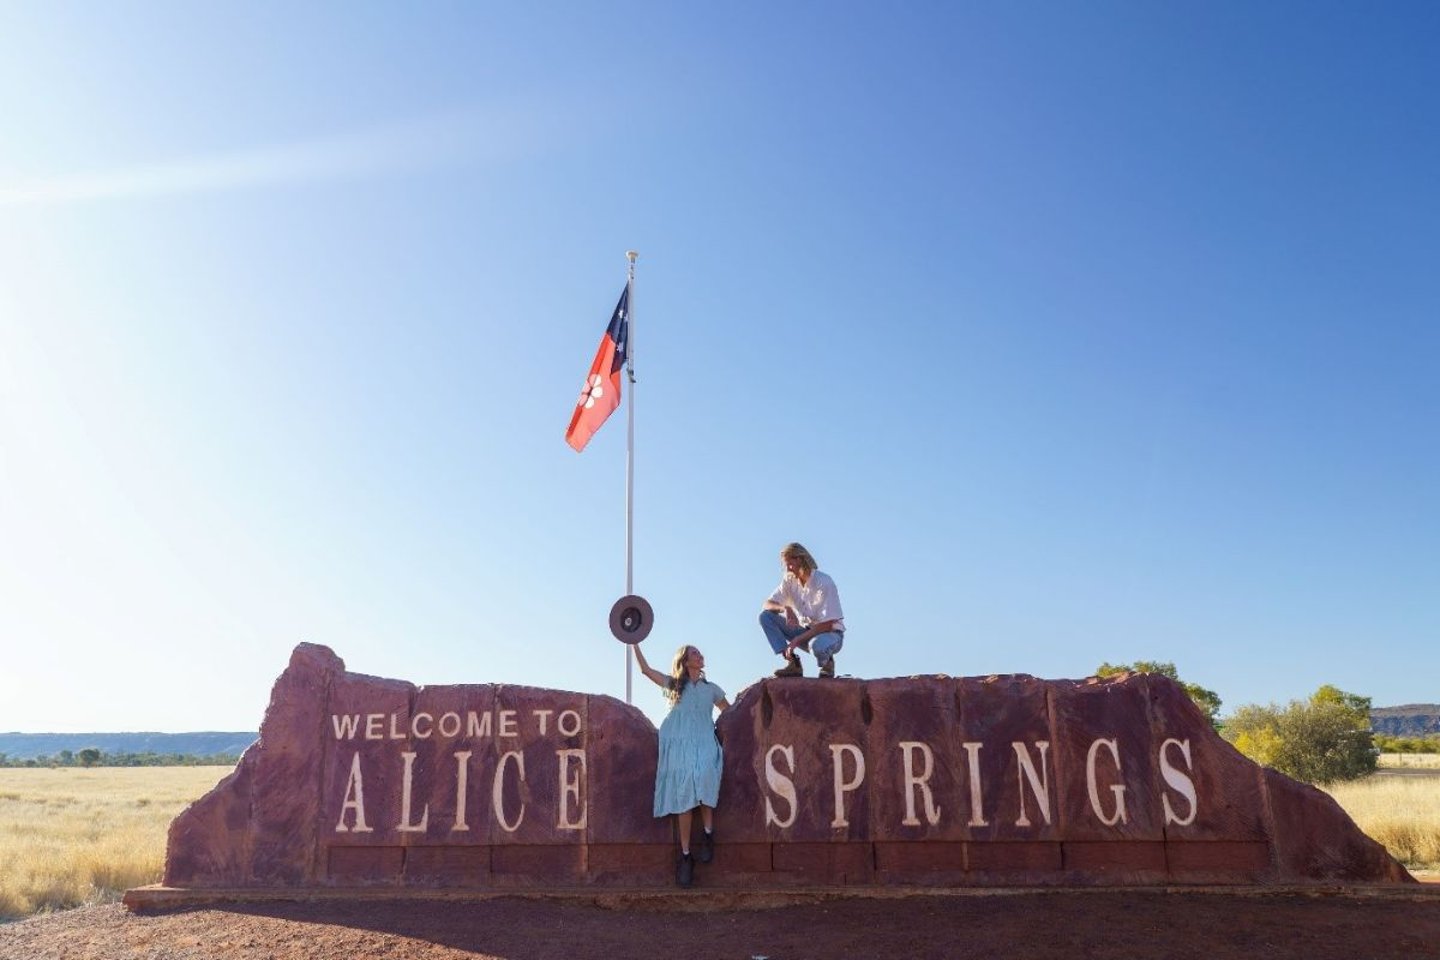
1320, 740
1207, 700
1357, 705
1391, 744
89, 757
1255, 732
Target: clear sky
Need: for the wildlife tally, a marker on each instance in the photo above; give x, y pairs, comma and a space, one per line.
1060, 333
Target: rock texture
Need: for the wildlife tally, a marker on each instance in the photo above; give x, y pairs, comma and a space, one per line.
941, 781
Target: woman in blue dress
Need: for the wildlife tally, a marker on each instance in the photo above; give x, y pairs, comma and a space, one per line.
687, 774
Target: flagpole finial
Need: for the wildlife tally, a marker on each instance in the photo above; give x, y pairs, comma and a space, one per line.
632, 255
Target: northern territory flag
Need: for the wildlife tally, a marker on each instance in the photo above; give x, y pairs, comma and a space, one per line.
600, 394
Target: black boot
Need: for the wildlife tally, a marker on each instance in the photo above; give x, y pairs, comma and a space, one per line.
685, 872
707, 846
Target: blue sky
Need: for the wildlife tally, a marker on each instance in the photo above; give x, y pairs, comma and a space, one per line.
1059, 333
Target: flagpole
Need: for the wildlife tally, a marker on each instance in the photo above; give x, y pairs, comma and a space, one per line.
631, 256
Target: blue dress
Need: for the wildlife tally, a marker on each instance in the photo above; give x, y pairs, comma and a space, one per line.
688, 771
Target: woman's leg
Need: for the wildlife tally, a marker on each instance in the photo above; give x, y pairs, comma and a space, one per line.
685, 868
685, 820
707, 839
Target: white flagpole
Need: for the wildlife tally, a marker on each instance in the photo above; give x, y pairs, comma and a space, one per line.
632, 256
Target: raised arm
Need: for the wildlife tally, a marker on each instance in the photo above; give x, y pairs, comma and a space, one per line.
656, 677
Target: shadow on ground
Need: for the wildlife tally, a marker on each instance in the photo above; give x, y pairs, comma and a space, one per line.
1040, 925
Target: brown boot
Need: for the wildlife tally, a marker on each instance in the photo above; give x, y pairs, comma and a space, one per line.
792, 668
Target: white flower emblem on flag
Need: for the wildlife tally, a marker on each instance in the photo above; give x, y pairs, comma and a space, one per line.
590, 391
600, 391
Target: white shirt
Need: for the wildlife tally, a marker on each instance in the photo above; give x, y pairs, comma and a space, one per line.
815, 601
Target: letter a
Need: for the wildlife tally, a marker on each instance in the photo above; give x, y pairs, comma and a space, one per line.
354, 800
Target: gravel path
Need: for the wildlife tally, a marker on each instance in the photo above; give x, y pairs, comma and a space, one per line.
1067, 925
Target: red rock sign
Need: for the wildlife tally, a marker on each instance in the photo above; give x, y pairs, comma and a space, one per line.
928, 780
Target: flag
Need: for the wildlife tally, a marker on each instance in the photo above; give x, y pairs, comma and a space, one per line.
600, 394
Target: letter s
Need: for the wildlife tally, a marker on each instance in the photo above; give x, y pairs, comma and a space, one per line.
1178, 781
781, 785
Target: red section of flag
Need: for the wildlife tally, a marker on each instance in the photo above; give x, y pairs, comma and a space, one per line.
599, 396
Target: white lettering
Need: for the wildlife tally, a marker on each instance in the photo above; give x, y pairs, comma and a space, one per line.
780, 784
498, 791
477, 724
908, 749
345, 727
373, 726
544, 717
843, 786
462, 775
568, 730
570, 788
415, 726
977, 806
405, 782
1119, 816
446, 729
354, 800
1039, 783
507, 724
1178, 781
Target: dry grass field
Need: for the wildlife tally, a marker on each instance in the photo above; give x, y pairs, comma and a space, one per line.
72, 836
1403, 813
1410, 761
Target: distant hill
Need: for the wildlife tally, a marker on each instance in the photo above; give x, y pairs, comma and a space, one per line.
27, 746
1408, 720
1411, 720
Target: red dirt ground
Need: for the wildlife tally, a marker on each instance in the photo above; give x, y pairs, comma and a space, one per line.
697, 926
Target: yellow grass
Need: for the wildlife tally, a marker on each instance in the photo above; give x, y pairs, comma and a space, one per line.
1403, 813
73, 836
1395, 761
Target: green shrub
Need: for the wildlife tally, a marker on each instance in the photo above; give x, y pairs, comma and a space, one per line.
1321, 740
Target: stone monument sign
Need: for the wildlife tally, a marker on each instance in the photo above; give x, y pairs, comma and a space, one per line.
1006, 780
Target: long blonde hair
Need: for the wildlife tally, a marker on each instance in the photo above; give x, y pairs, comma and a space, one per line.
679, 676
796, 551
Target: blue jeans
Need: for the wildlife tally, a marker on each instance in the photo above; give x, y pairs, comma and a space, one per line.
823, 645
